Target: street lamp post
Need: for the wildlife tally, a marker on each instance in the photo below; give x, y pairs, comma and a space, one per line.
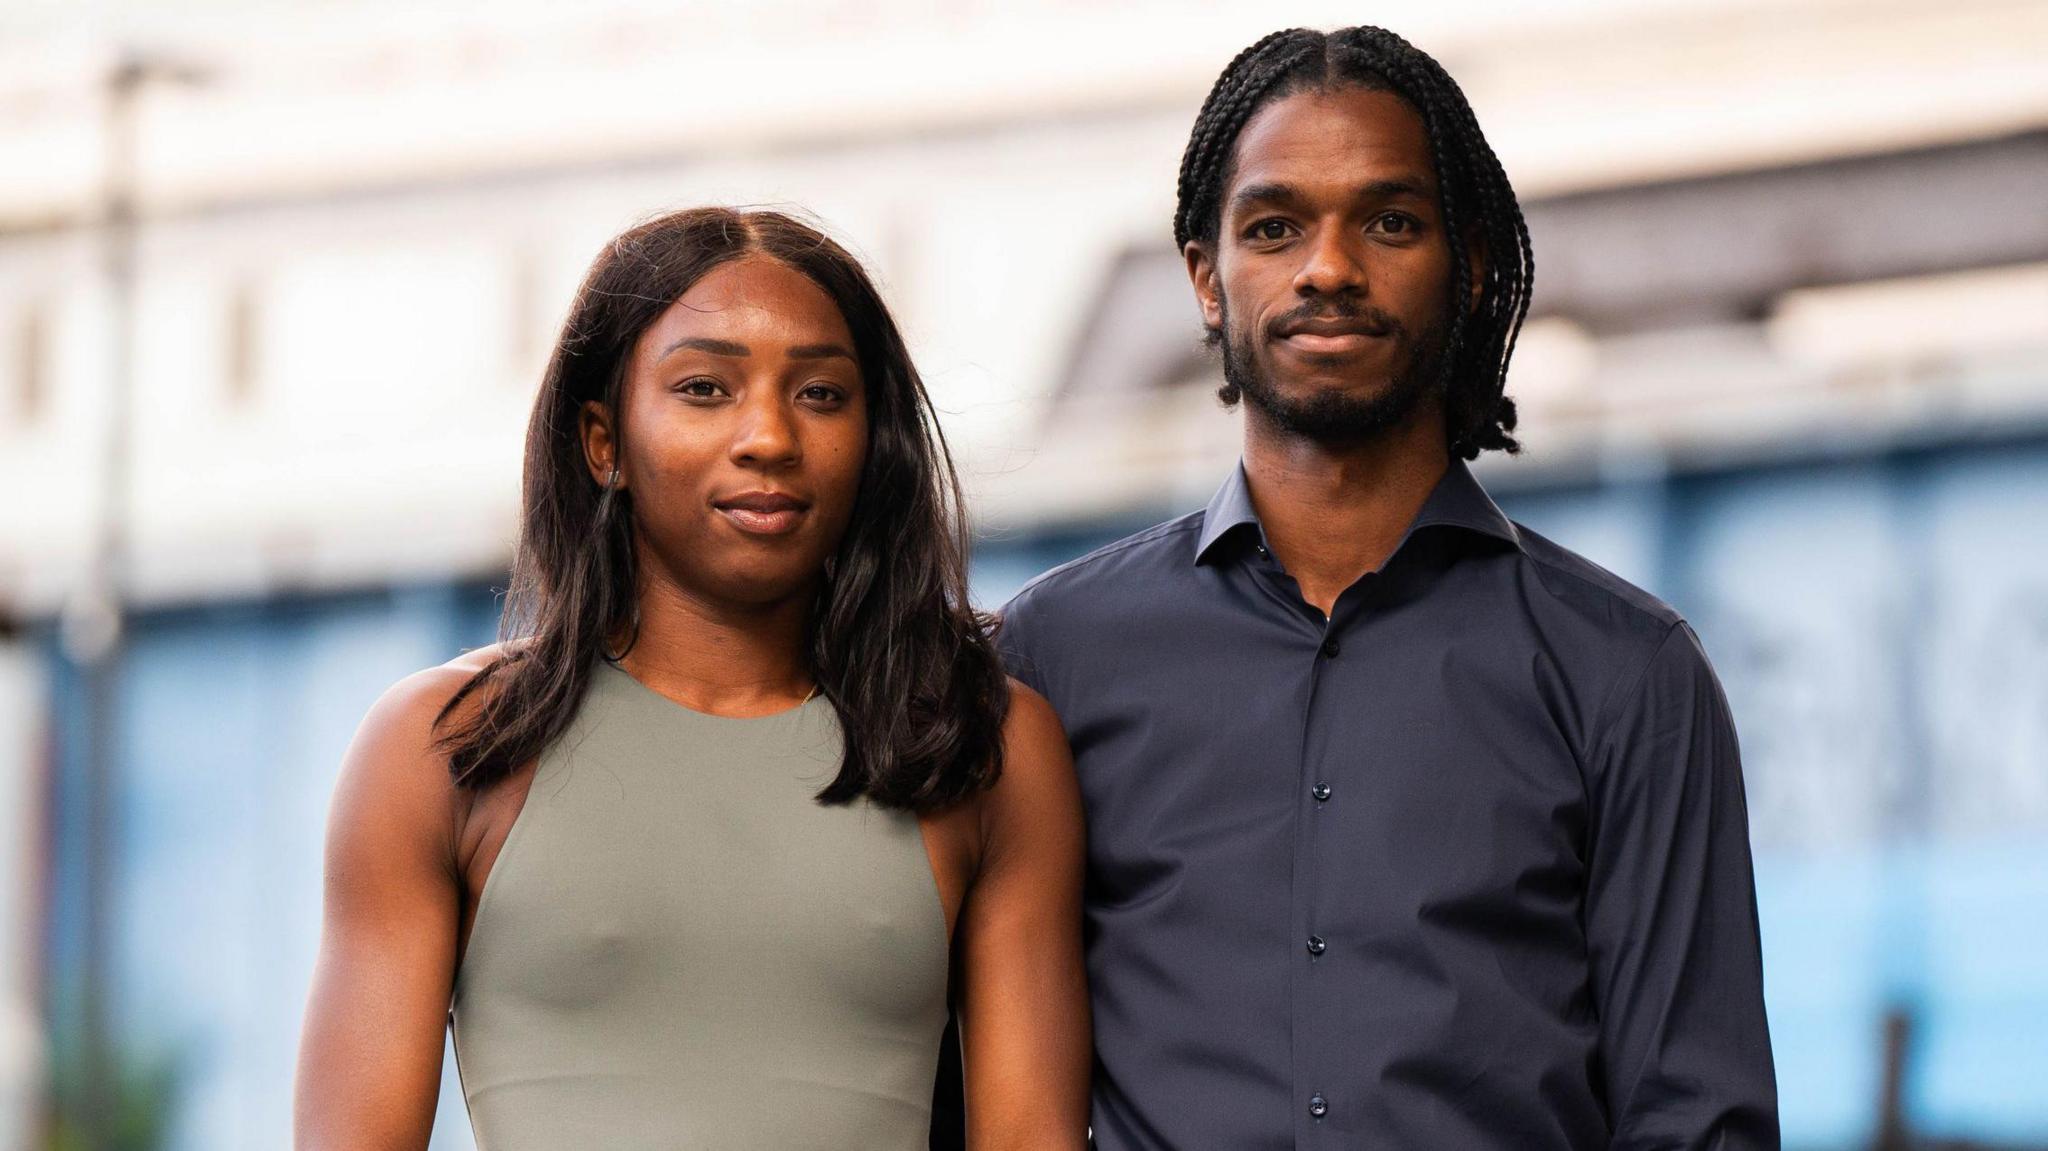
94, 618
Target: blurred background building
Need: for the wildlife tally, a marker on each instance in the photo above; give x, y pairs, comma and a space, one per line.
277, 280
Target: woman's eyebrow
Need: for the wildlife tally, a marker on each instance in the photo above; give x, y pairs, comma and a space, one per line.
707, 344
735, 350
819, 352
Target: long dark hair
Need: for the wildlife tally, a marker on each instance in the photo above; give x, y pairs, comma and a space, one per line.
894, 644
1477, 200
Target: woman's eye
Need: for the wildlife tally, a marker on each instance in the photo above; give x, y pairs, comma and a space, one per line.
700, 387
822, 394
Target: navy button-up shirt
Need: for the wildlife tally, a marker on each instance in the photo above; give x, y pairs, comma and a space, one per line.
1464, 866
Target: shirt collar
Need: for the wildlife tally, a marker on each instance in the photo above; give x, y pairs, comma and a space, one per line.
1230, 508
1456, 501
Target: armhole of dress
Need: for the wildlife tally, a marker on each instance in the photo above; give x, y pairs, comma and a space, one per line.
497, 868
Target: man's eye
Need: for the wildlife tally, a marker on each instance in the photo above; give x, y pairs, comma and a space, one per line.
1396, 224
1269, 230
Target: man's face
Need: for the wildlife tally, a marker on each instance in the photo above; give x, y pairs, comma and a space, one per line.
1330, 275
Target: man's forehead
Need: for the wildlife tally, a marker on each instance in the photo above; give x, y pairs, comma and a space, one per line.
1349, 135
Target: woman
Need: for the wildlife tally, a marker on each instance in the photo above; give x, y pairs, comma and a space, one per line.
699, 854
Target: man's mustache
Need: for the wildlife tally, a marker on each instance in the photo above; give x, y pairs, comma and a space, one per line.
1342, 315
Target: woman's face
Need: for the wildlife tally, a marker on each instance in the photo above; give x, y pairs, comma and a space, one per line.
744, 435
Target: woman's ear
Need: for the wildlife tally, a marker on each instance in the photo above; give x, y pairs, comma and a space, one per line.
594, 424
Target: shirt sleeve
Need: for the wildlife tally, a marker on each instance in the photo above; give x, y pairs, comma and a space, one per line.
1014, 642
1671, 917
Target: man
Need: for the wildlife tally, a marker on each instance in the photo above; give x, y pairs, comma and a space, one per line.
1408, 828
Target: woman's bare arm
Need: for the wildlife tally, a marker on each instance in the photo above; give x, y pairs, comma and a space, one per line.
370, 1055
1022, 995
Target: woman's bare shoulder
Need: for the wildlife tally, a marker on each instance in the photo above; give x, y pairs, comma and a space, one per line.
408, 713
1032, 733
396, 769
1036, 794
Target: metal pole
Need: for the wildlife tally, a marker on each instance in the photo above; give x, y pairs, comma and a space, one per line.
94, 620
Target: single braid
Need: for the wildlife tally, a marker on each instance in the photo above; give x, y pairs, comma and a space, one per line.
1476, 199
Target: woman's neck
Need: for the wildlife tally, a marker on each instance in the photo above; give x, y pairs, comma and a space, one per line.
724, 659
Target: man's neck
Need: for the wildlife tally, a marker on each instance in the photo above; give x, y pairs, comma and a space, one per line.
737, 660
1332, 513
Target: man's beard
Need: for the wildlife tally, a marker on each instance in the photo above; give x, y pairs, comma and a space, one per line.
1329, 416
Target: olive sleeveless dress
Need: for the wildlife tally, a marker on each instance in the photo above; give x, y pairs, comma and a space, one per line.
678, 947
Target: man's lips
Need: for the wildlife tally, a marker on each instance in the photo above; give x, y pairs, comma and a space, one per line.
1332, 336
762, 513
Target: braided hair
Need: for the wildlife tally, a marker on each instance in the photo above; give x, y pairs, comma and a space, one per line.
1476, 198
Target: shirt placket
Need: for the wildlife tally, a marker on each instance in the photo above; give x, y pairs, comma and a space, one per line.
1310, 963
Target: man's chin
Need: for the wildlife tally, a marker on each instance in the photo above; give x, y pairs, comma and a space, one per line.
1324, 393
1331, 412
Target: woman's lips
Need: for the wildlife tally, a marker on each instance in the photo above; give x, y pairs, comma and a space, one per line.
763, 523
762, 513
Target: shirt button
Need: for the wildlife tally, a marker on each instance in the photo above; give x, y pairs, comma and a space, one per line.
1330, 648
1318, 1106
1321, 791
1316, 946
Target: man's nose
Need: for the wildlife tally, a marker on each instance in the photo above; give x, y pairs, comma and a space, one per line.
1334, 265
